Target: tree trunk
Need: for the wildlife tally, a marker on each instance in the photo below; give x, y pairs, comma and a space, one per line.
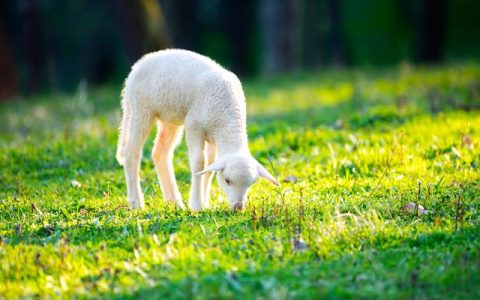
280, 26
183, 24
335, 40
237, 18
8, 87
142, 26
432, 31
34, 45
311, 45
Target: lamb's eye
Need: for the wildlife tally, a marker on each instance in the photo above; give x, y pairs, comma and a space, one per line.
228, 181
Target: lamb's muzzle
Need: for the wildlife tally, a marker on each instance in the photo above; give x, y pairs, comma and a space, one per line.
238, 206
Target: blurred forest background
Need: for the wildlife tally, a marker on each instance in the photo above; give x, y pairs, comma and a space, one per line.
52, 45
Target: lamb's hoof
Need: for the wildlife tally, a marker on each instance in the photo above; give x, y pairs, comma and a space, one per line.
177, 201
136, 204
195, 206
180, 205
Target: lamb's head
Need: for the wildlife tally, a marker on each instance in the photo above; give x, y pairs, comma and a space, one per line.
236, 172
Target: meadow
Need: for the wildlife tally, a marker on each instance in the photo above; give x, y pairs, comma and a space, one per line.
379, 196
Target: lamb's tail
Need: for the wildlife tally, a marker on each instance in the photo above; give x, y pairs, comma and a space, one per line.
124, 128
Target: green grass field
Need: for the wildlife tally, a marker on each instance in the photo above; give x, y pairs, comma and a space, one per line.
363, 145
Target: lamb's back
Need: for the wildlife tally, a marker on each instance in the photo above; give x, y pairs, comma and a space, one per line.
168, 81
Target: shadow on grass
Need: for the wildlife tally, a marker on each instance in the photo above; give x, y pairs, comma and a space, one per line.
431, 266
121, 235
114, 222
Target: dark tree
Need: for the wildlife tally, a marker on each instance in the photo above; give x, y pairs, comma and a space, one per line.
183, 24
142, 26
335, 39
8, 87
238, 18
280, 26
311, 33
432, 31
34, 43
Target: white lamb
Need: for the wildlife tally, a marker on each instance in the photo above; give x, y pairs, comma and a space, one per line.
177, 88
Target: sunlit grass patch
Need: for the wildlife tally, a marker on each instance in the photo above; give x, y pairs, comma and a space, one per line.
379, 196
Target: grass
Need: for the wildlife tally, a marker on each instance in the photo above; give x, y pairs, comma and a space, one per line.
363, 145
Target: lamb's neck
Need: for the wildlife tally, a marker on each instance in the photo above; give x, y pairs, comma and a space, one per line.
231, 138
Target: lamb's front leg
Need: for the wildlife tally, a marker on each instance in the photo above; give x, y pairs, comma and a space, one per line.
196, 146
210, 156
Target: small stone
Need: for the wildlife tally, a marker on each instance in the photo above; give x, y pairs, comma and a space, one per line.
422, 210
411, 208
300, 245
18, 229
291, 178
467, 142
75, 183
339, 124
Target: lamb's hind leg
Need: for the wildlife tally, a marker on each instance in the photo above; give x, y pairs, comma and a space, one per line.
168, 137
137, 131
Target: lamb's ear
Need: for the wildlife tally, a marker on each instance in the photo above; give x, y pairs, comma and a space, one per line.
265, 174
216, 166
